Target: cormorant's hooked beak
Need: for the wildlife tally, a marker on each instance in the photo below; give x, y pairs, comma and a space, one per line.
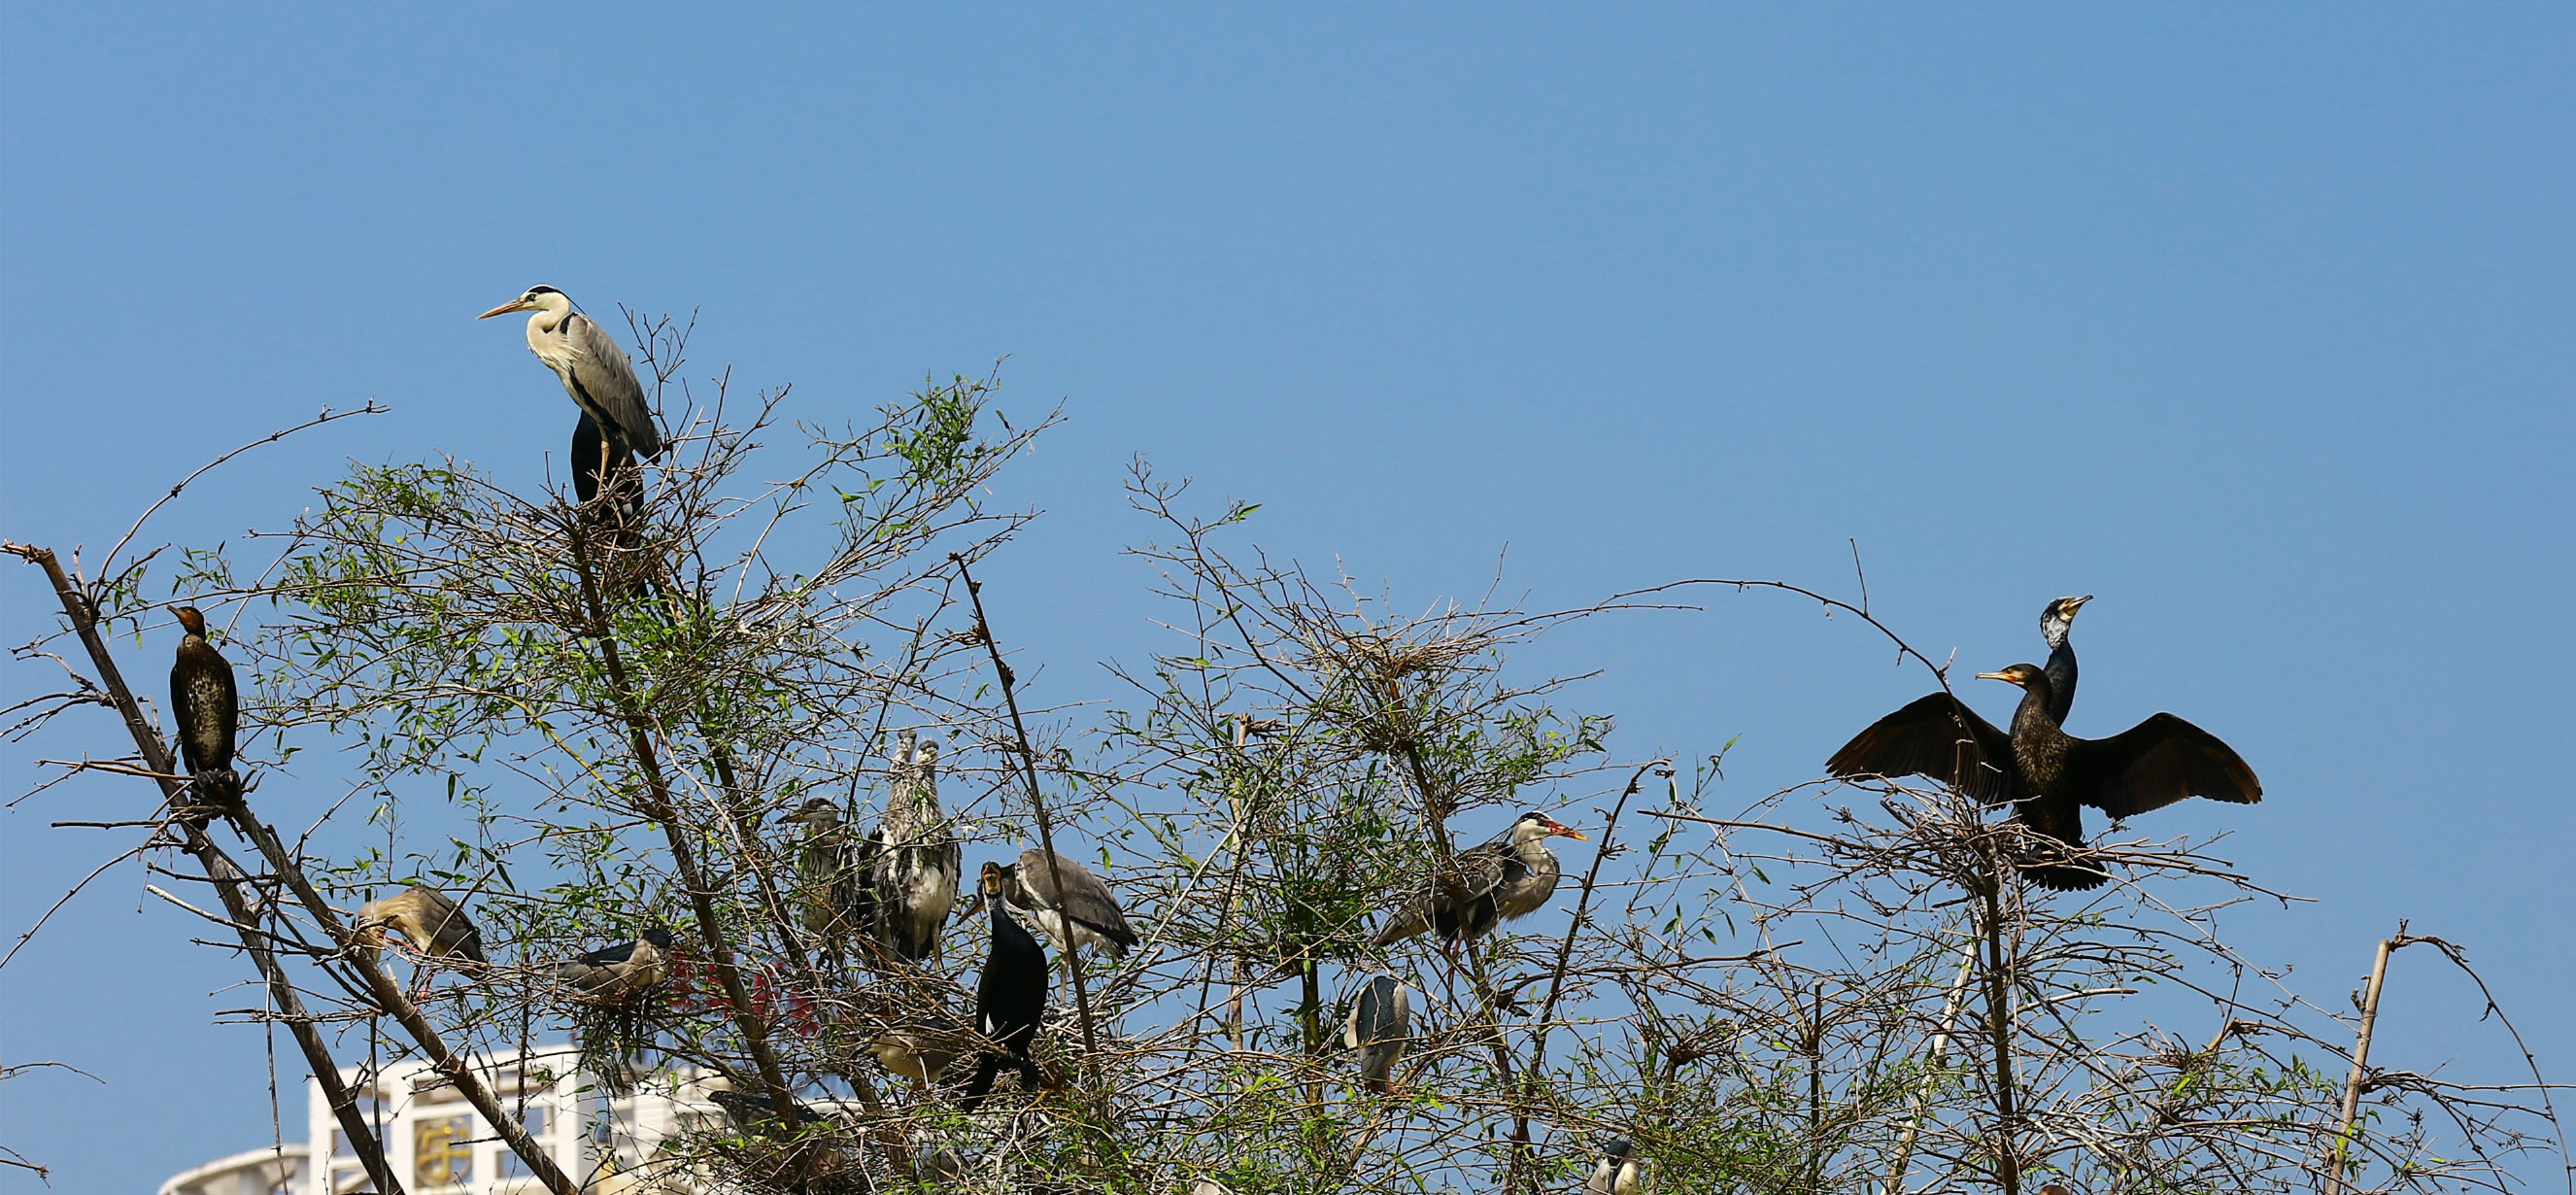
2073, 604
2007, 677
518, 304
1561, 830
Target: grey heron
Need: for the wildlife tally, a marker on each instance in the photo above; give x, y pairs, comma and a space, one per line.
1508, 876
830, 895
912, 863
615, 975
1010, 996
2055, 619
1616, 1171
594, 370
204, 704
1379, 1027
1085, 913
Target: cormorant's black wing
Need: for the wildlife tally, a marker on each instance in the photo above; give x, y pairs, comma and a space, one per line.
2154, 764
1936, 736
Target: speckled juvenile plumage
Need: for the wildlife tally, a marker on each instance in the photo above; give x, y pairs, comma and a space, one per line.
206, 709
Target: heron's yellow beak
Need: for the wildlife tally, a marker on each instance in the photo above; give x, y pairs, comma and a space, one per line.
518, 304
1562, 830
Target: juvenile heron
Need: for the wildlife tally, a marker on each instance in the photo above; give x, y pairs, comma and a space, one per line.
203, 703
920, 1031
912, 864
1507, 876
614, 975
1085, 913
2055, 620
1616, 1172
2047, 774
424, 916
1379, 1026
831, 898
1010, 997
593, 369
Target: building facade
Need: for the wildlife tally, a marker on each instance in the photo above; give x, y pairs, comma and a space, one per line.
439, 1146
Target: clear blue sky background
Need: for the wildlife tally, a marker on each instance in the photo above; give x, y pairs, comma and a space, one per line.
2257, 323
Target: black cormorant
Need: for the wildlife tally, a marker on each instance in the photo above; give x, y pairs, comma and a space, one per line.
2048, 774
1010, 997
208, 712
1507, 876
2057, 618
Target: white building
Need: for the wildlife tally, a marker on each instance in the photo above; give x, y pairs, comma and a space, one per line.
434, 1140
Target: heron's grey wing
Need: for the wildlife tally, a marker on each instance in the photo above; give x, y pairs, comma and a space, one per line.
1085, 899
450, 934
601, 368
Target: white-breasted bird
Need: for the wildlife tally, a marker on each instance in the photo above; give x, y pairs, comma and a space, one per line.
1086, 912
1507, 876
1379, 1027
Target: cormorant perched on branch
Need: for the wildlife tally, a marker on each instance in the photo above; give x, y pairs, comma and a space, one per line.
204, 704
1010, 997
2048, 774
1087, 905
2057, 618
1507, 876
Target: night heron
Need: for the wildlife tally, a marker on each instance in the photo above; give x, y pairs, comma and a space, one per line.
203, 703
2047, 774
919, 1030
615, 975
831, 894
1616, 1171
2057, 618
1010, 997
1379, 1027
912, 863
1507, 876
1084, 913
426, 919
594, 370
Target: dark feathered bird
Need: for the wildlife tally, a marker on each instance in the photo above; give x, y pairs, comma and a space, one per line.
1509, 875
1010, 997
1379, 1026
204, 704
2055, 620
1086, 904
594, 370
597, 458
615, 975
1615, 1173
425, 918
834, 902
912, 863
2047, 774
754, 1109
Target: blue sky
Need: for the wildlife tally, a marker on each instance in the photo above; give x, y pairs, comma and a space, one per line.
2255, 323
